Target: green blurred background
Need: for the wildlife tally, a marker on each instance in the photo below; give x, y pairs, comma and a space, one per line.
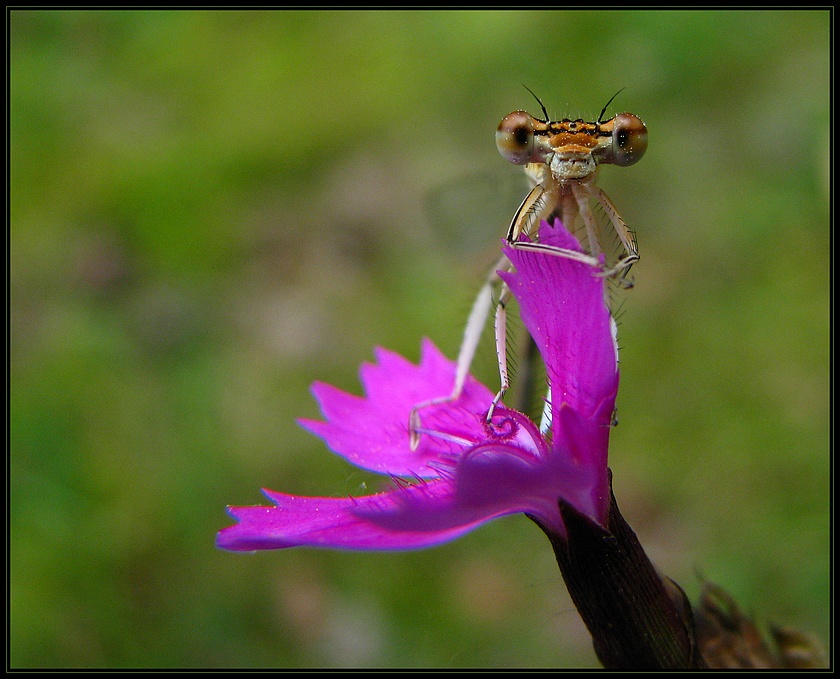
210, 210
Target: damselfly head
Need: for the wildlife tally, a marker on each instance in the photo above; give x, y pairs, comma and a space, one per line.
523, 139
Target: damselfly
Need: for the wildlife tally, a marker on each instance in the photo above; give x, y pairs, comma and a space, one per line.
561, 159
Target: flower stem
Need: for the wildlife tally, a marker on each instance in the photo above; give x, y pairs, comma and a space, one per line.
637, 618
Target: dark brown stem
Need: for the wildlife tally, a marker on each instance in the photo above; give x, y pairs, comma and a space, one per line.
637, 618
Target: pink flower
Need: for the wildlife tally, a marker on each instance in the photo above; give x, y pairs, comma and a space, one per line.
465, 471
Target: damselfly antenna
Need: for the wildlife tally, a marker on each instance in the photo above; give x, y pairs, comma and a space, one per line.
539, 101
604, 110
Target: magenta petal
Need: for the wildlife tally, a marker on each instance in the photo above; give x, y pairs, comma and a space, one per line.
563, 306
583, 445
562, 303
406, 517
372, 431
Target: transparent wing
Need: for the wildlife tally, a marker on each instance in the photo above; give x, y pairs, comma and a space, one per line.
473, 212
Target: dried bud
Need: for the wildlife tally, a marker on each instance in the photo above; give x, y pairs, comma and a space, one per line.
728, 639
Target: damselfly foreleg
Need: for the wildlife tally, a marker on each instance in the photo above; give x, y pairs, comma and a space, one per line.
469, 344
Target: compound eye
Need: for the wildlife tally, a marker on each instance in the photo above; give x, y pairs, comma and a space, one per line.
515, 137
629, 139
